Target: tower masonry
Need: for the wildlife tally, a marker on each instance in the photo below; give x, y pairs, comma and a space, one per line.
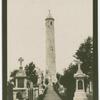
50, 48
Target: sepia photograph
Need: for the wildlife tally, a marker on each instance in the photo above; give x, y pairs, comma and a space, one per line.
50, 50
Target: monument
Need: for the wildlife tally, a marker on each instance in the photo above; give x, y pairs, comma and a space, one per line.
50, 48
80, 93
20, 89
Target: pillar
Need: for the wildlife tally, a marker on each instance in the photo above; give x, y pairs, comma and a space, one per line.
91, 86
31, 85
14, 95
83, 85
25, 83
16, 83
76, 84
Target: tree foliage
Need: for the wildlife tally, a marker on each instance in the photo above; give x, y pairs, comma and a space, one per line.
68, 81
13, 74
46, 81
9, 90
58, 76
85, 54
31, 73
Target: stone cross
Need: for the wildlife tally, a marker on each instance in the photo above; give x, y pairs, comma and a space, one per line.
49, 13
79, 64
20, 60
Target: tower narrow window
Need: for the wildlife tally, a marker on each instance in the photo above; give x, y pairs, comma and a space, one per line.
50, 23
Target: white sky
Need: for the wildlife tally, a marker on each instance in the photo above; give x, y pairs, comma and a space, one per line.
26, 30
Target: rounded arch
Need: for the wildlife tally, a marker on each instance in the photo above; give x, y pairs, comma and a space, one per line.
19, 95
80, 84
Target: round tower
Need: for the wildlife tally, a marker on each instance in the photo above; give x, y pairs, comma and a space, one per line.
50, 47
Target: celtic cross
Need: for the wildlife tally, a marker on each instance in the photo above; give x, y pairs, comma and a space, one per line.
20, 60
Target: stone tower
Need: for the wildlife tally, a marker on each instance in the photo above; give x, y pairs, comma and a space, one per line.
50, 48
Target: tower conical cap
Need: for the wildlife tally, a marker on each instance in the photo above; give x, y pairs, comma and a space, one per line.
49, 16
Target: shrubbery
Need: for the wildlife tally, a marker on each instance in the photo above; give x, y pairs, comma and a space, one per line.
41, 96
85, 55
56, 87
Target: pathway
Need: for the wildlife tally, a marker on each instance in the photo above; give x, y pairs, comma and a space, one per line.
51, 94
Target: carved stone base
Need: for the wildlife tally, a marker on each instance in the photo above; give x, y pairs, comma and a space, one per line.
80, 95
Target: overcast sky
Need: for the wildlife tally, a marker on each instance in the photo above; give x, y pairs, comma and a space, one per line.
26, 30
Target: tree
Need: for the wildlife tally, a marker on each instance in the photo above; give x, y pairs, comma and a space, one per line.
31, 73
9, 90
13, 75
85, 54
58, 76
68, 81
46, 81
